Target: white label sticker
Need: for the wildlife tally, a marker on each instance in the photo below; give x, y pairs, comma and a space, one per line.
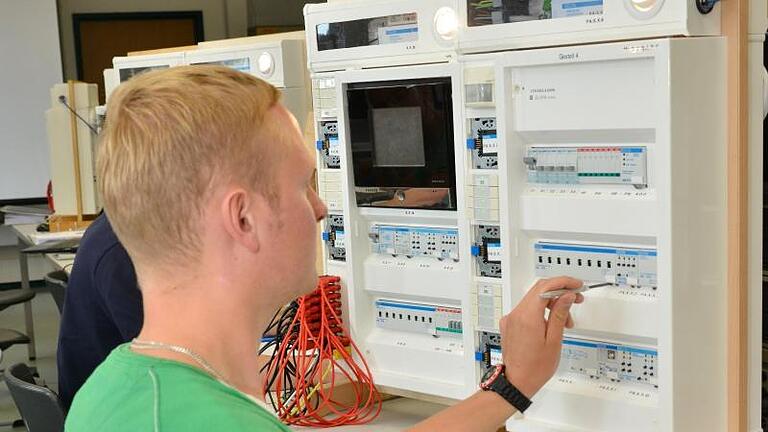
496, 357
571, 8
339, 243
333, 147
398, 33
490, 144
485, 180
494, 252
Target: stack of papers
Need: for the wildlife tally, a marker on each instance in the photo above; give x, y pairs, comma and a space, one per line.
41, 237
18, 215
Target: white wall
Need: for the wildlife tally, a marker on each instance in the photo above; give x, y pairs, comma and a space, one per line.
30, 65
221, 18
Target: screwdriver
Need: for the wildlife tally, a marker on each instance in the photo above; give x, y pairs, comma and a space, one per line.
561, 292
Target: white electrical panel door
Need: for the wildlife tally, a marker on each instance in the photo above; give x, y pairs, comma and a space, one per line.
489, 25
611, 169
379, 33
406, 249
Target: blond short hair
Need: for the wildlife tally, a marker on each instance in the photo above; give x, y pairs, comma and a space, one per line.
171, 136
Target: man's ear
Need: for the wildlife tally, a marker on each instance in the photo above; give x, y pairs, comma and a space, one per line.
240, 212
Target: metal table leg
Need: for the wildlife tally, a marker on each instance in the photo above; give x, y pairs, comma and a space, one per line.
30, 328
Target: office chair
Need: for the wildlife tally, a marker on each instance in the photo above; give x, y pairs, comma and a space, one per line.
9, 337
40, 407
57, 283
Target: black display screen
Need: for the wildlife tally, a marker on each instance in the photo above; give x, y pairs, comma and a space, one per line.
492, 12
381, 30
401, 135
126, 74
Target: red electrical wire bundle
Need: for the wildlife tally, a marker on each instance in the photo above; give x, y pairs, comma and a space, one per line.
313, 354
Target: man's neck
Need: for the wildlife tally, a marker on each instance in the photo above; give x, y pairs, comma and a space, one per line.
221, 329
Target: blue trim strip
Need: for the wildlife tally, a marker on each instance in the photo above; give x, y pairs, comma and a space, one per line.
581, 4
609, 346
405, 306
591, 249
401, 31
579, 343
639, 351
400, 229
633, 149
470, 143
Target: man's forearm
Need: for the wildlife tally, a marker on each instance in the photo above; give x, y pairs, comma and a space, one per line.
483, 411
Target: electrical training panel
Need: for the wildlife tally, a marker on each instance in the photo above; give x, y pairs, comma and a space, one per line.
458, 171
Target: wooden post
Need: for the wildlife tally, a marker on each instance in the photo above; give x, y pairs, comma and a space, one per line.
75, 151
734, 25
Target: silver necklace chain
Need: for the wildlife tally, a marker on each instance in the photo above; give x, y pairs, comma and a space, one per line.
149, 345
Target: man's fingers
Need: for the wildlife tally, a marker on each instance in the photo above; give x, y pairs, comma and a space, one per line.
551, 284
557, 283
558, 318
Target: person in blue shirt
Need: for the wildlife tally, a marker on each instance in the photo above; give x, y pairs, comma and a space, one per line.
103, 307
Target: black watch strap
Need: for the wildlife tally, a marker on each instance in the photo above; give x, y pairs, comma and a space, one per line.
509, 392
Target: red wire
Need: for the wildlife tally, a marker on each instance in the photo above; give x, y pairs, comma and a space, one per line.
316, 337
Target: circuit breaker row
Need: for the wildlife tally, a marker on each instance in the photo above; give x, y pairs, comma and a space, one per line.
597, 361
587, 165
431, 319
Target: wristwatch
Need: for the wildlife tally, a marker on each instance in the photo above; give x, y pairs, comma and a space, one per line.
494, 380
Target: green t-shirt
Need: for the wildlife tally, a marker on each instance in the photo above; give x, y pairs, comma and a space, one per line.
135, 393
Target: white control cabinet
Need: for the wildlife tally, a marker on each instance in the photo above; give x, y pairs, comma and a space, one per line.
604, 161
614, 171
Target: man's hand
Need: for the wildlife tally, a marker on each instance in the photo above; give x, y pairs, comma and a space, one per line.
530, 343
531, 348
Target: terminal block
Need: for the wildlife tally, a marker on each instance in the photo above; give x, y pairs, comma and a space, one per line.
487, 250
334, 238
489, 351
483, 143
328, 144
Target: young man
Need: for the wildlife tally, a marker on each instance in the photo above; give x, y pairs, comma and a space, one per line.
208, 185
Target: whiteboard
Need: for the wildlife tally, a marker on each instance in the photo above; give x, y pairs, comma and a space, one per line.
30, 64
